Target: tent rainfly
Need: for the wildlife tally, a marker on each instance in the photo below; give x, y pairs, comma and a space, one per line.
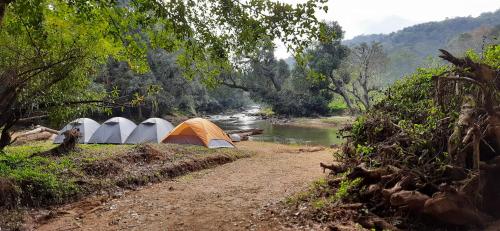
86, 126
152, 130
201, 132
113, 131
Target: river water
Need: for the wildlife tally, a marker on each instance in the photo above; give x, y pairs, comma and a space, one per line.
286, 134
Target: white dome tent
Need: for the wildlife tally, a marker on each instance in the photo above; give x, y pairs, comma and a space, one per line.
152, 130
113, 131
86, 126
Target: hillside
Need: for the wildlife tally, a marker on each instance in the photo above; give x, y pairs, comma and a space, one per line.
410, 47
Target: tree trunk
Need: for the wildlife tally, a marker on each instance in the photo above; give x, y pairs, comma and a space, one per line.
343, 92
363, 82
7, 121
277, 85
3, 6
366, 97
139, 111
5, 138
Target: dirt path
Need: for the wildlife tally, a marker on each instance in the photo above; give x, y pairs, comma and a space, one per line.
223, 198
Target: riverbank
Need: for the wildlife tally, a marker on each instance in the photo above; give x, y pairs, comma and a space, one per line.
228, 197
313, 122
31, 185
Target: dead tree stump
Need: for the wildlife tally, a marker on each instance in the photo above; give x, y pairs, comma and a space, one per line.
69, 144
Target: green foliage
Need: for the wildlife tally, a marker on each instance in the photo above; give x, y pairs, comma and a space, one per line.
412, 98
267, 111
52, 61
52, 49
38, 177
320, 194
411, 118
492, 56
344, 187
358, 126
363, 150
337, 105
409, 110
164, 90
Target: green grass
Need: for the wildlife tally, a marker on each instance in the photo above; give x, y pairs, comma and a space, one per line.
320, 195
317, 186
38, 176
337, 105
44, 180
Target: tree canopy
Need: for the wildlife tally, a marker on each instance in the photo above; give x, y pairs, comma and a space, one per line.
52, 49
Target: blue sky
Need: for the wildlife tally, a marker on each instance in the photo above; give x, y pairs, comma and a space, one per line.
384, 16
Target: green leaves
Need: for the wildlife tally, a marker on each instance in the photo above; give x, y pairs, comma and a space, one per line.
55, 48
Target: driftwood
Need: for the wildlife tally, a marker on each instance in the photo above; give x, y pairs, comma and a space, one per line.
244, 134
39, 133
311, 149
38, 129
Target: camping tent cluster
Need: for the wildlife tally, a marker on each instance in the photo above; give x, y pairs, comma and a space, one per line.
119, 130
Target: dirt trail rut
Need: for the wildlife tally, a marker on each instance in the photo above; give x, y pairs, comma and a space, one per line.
226, 197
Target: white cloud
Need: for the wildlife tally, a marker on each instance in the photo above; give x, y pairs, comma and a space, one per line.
384, 16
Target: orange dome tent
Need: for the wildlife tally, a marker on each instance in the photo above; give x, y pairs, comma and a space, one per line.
201, 132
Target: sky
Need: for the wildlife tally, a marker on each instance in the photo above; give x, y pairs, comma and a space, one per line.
359, 17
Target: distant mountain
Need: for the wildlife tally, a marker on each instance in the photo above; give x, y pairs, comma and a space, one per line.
410, 47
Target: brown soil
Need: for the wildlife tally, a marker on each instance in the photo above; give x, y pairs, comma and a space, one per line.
8, 193
228, 197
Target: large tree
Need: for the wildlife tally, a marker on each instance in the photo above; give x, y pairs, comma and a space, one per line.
366, 63
52, 48
324, 61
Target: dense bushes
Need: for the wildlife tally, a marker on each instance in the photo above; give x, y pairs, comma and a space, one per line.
426, 153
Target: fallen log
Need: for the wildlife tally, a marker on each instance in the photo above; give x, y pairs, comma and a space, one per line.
311, 149
244, 134
39, 129
39, 133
